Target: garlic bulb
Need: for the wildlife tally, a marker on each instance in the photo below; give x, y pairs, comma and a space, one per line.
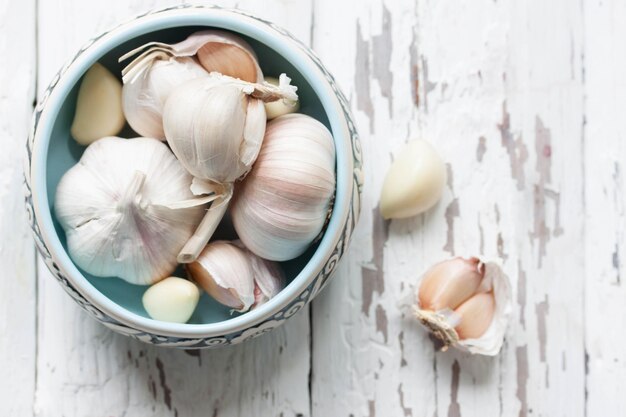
172, 299
231, 274
215, 127
98, 106
144, 93
277, 108
127, 209
465, 303
414, 181
283, 203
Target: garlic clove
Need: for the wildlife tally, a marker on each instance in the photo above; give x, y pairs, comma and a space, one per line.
230, 60
449, 283
217, 50
172, 299
282, 204
279, 107
144, 94
269, 279
475, 315
225, 272
98, 106
414, 182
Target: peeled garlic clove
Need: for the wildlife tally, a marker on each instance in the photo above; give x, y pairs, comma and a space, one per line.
477, 324
414, 181
282, 204
475, 315
144, 94
98, 106
127, 210
449, 283
225, 272
172, 299
279, 107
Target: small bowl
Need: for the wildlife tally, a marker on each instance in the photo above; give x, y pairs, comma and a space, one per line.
51, 152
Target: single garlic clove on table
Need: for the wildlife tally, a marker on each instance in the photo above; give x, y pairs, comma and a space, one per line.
279, 107
414, 181
172, 299
98, 106
466, 303
282, 204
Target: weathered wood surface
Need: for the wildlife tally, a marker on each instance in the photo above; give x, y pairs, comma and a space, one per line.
523, 100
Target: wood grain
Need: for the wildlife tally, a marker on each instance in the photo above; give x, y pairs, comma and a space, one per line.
17, 255
523, 101
473, 78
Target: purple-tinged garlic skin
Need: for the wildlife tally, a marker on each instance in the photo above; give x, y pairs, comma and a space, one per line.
282, 204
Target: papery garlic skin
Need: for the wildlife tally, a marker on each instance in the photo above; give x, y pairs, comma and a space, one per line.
144, 94
279, 107
283, 203
225, 272
98, 106
172, 299
115, 208
479, 323
269, 279
414, 182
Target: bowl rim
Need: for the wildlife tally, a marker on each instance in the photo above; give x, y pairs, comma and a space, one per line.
300, 56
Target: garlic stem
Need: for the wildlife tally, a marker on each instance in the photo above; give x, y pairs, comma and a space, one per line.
205, 230
132, 190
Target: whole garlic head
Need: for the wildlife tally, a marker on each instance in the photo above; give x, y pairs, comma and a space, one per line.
466, 303
144, 93
282, 204
127, 209
414, 181
215, 127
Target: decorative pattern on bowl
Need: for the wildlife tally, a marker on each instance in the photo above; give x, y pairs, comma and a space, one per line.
266, 325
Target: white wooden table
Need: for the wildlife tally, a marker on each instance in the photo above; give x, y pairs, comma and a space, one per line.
524, 99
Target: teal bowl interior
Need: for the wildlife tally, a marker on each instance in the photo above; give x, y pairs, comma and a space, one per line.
64, 152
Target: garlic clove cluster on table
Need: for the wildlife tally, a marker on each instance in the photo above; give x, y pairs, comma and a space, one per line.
465, 303
137, 208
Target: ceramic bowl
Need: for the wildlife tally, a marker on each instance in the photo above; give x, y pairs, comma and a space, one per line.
51, 152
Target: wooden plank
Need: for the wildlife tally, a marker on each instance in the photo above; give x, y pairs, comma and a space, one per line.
604, 205
87, 370
17, 253
498, 87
